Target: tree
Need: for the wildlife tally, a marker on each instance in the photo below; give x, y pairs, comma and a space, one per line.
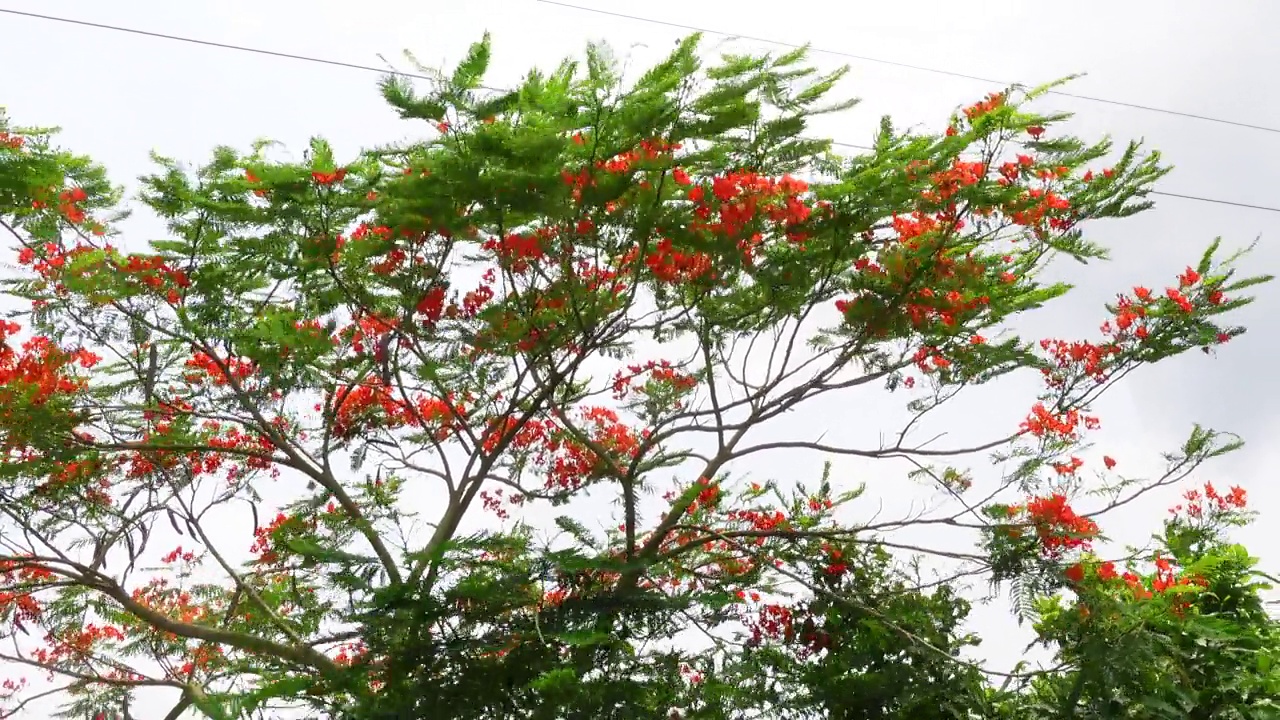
573, 291
1194, 641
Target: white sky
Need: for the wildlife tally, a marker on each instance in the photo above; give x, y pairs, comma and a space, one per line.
119, 96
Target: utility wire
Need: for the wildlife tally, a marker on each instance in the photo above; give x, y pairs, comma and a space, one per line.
637, 18
388, 71
1149, 192
894, 63
1219, 202
226, 46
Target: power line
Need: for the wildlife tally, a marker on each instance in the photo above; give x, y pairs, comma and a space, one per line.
1219, 202
224, 46
387, 71
1149, 192
909, 66
637, 18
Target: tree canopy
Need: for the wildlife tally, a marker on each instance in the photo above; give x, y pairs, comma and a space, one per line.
571, 308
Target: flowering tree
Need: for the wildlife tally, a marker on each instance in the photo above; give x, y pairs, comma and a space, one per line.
578, 291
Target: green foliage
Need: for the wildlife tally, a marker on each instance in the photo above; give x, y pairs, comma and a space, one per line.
442, 311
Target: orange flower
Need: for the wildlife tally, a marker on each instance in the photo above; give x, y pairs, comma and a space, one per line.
1075, 573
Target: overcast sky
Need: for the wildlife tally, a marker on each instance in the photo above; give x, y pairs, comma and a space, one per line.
119, 96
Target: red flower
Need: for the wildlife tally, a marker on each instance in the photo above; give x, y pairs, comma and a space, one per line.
680, 176
1179, 299
1035, 131
329, 178
1108, 461
725, 188
1058, 526
1075, 573
1237, 496
432, 304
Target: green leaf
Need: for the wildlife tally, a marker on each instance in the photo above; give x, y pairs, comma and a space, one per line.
289, 687
471, 70
584, 638
215, 706
555, 681
577, 530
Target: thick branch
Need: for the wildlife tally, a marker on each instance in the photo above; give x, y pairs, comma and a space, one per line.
302, 654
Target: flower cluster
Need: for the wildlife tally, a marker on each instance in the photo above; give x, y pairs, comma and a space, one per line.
1165, 578
37, 373
267, 539
76, 645
219, 372
1066, 425
772, 622
1057, 526
373, 403
22, 603
1132, 311
566, 460
1211, 505
149, 273
660, 372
